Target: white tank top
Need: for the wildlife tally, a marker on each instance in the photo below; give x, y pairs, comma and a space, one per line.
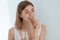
18, 37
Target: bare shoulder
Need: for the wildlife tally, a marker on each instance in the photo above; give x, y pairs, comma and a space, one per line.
11, 34
43, 27
11, 30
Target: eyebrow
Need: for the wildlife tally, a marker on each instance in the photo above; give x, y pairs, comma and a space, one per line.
28, 10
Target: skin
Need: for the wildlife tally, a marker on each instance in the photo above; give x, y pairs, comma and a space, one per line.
28, 18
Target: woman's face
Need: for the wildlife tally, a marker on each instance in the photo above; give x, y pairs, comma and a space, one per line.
28, 13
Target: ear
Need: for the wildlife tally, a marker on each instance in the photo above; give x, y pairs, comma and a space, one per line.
20, 15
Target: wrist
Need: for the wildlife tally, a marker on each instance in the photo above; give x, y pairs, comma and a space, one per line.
35, 37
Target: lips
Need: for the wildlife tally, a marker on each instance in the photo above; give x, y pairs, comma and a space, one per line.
30, 18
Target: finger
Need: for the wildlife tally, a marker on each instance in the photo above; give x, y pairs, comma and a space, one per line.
37, 22
32, 20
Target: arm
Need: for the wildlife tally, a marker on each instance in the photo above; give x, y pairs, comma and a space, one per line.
11, 34
42, 35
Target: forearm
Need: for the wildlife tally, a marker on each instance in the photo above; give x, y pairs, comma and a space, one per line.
36, 38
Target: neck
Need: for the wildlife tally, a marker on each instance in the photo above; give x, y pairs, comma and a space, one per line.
26, 24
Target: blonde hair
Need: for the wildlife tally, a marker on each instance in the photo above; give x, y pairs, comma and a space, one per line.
21, 6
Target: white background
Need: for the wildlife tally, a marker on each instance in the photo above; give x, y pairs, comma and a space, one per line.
47, 12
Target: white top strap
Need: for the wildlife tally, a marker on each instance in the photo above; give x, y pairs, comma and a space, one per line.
16, 34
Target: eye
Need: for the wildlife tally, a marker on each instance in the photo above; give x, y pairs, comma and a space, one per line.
32, 10
26, 12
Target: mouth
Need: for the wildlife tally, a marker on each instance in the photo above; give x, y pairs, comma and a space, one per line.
30, 18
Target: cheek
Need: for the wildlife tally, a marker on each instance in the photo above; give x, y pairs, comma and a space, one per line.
25, 16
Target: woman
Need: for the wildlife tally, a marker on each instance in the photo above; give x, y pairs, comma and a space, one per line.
26, 26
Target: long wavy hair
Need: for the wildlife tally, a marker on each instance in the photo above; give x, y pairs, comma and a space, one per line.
21, 6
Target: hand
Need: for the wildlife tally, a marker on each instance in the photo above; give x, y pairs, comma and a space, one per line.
24, 38
36, 25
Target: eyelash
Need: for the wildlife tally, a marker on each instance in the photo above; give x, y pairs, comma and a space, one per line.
32, 10
27, 12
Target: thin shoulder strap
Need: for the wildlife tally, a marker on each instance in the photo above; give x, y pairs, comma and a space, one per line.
16, 34
39, 30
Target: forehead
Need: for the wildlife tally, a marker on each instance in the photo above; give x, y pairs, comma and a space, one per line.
29, 7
